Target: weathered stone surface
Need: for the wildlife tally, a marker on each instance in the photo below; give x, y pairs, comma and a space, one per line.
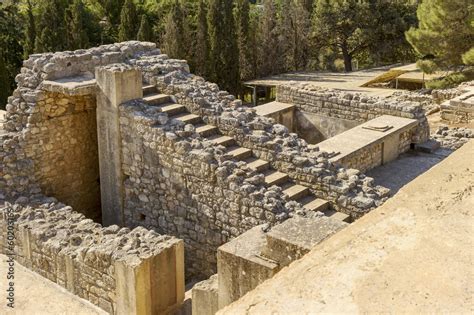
205, 297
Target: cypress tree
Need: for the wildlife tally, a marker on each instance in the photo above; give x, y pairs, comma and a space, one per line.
242, 18
201, 56
52, 26
173, 39
30, 30
224, 49
128, 22
145, 32
77, 30
268, 52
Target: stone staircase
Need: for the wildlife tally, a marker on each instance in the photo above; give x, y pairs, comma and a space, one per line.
294, 191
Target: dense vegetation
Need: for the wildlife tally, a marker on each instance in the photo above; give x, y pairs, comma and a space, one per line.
225, 41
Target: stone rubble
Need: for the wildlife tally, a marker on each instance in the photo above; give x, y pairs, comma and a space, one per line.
452, 138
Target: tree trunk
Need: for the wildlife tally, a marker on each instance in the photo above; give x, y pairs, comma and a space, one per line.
347, 58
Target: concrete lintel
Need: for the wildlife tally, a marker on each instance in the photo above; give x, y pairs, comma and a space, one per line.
72, 86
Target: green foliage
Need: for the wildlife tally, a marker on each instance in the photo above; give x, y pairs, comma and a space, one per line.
76, 18
10, 49
224, 48
427, 66
128, 27
451, 80
30, 30
202, 49
173, 42
445, 31
51, 27
268, 54
468, 57
145, 32
242, 20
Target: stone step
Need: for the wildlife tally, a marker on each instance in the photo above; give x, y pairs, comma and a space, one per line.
222, 140
239, 153
188, 118
257, 164
295, 192
276, 178
173, 109
313, 203
149, 89
206, 130
338, 216
157, 99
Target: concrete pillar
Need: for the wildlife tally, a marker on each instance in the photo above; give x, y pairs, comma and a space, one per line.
240, 266
151, 286
116, 84
205, 297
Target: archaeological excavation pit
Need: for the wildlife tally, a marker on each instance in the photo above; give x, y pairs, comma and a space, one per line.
131, 139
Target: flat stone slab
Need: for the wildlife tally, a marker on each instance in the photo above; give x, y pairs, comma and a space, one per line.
73, 86
362, 136
272, 108
295, 237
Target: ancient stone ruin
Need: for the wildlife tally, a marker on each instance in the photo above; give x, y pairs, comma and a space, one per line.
126, 176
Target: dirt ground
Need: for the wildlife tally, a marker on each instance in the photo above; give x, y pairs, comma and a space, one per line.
34, 295
413, 255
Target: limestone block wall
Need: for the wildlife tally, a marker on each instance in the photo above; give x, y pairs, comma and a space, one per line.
110, 267
49, 136
352, 107
61, 139
179, 184
272, 142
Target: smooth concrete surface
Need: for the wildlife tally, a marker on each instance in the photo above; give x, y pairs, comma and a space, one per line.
360, 137
35, 295
412, 255
343, 81
315, 128
80, 85
205, 299
282, 113
295, 237
241, 267
115, 86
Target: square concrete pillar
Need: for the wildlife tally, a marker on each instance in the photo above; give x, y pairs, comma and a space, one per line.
292, 239
205, 298
117, 84
154, 285
241, 267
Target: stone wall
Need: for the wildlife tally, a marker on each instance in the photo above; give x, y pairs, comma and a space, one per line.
61, 139
348, 190
180, 184
352, 107
95, 263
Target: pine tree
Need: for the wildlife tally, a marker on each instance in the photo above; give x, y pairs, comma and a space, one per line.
268, 50
201, 54
145, 32
242, 18
224, 49
445, 31
342, 25
78, 37
30, 30
128, 22
52, 25
173, 40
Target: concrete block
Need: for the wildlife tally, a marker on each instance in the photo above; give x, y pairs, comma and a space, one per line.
241, 267
154, 285
295, 237
205, 297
